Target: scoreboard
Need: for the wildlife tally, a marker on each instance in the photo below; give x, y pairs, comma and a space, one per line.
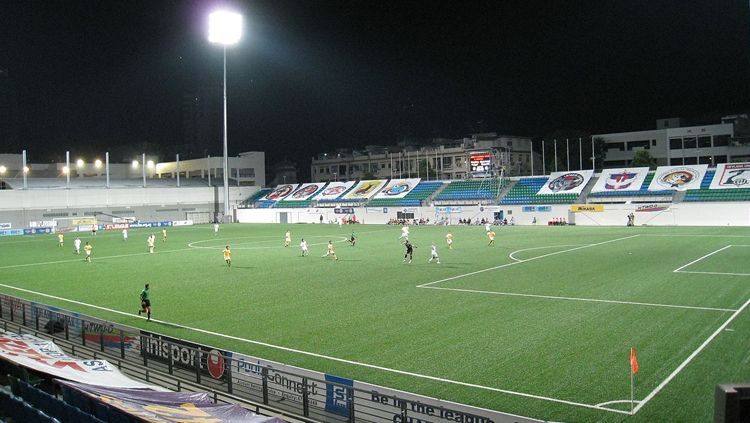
480, 163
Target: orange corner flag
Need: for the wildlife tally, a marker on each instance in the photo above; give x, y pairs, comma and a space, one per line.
633, 362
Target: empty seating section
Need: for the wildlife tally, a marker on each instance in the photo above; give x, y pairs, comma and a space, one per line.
483, 189
30, 404
525, 192
643, 192
706, 194
413, 199
258, 195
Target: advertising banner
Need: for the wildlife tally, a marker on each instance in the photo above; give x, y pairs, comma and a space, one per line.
11, 232
184, 354
6, 226
652, 208
123, 219
571, 182
160, 407
731, 175
43, 224
449, 209
678, 178
343, 210
304, 192
619, 180
36, 231
583, 208
182, 222
112, 226
398, 188
365, 189
280, 192
46, 357
83, 221
149, 224
333, 190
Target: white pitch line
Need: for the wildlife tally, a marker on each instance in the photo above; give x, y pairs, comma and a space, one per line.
94, 258
595, 300
690, 358
538, 248
701, 258
327, 357
712, 273
524, 261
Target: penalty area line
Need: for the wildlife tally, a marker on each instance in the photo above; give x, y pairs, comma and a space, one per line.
327, 357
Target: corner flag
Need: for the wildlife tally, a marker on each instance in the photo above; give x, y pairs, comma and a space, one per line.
633, 362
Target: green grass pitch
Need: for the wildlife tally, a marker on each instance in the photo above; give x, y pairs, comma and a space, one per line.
539, 325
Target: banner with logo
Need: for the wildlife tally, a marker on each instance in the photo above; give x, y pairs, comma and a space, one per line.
183, 354
161, 407
678, 178
585, 208
6, 226
571, 182
365, 189
304, 192
182, 222
43, 224
46, 357
280, 192
619, 180
731, 175
333, 190
398, 188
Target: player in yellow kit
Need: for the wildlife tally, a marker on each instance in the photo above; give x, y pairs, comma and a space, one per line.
228, 256
87, 248
491, 236
287, 238
330, 251
60, 240
449, 240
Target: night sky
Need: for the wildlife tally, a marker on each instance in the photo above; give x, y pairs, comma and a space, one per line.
310, 76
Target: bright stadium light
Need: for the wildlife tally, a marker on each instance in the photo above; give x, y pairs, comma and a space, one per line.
225, 28
98, 163
79, 163
65, 170
150, 164
3, 169
135, 164
25, 169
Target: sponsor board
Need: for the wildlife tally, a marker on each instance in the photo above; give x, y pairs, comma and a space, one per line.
304, 192
6, 226
536, 209
581, 208
138, 225
111, 226
42, 224
621, 180
11, 232
449, 209
123, 219
182, 222
571, 182
651, 208
36, 231
184, 354
731, 175
365, 189
343, 210
490, 208
334, 190
83, 221
398, 188
280, 192
678, 178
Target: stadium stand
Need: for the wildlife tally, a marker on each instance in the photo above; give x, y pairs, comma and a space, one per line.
415, 198
476, 189
340, 199
643, 193
704, 193
258, 195
525, 192
47, 405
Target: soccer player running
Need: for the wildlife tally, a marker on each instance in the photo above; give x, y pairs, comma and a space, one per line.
227, 256
163, 235
60, 240
330, 251
409, 250
287, 238
404, 232
303, 247
87, 248
434, 254
124, 235
77, 244
145, 303
353, 240
216, 229
491, 236
449, 240
151, 239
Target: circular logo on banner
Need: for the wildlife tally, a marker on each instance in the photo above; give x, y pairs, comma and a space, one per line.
215, 364
397, 189
306, 191
333, 191
677, 178
279, 192
566, 182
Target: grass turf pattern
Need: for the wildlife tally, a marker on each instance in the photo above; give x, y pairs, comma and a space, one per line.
539, 325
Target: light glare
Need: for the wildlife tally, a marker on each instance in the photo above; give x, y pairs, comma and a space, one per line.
98, 163
224, 27
79, 163
25, 169
150, 164
65, 170
135, 164
3, 169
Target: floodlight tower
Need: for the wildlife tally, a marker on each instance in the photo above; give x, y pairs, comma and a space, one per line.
225, 28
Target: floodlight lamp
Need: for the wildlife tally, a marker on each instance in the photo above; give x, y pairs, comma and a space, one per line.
98, 163
25, 169
3, 169
79, 163
224, 27
135, 164
150, 164
65, 170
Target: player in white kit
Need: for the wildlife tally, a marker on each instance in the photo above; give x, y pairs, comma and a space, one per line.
434, 254
303, 247
77, 244
124, 234
404, 232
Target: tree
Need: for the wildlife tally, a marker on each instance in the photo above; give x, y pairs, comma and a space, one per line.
642, 158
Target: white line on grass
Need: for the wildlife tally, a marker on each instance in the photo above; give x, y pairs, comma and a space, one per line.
712, 273
701, 258
340, 360
538, 248
595, 300
524, 261
690, 358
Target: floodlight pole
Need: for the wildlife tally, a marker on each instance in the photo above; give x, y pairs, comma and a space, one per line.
531, 149
106, 166
23, 169
226, 159
178, 170
143, 169
67, 166
208, 168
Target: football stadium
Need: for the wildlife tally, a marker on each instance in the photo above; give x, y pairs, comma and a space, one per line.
480, 278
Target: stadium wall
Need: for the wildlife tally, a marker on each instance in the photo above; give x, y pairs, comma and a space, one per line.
681, 214
19, 207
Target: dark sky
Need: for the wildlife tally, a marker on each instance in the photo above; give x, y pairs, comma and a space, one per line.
315, 75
